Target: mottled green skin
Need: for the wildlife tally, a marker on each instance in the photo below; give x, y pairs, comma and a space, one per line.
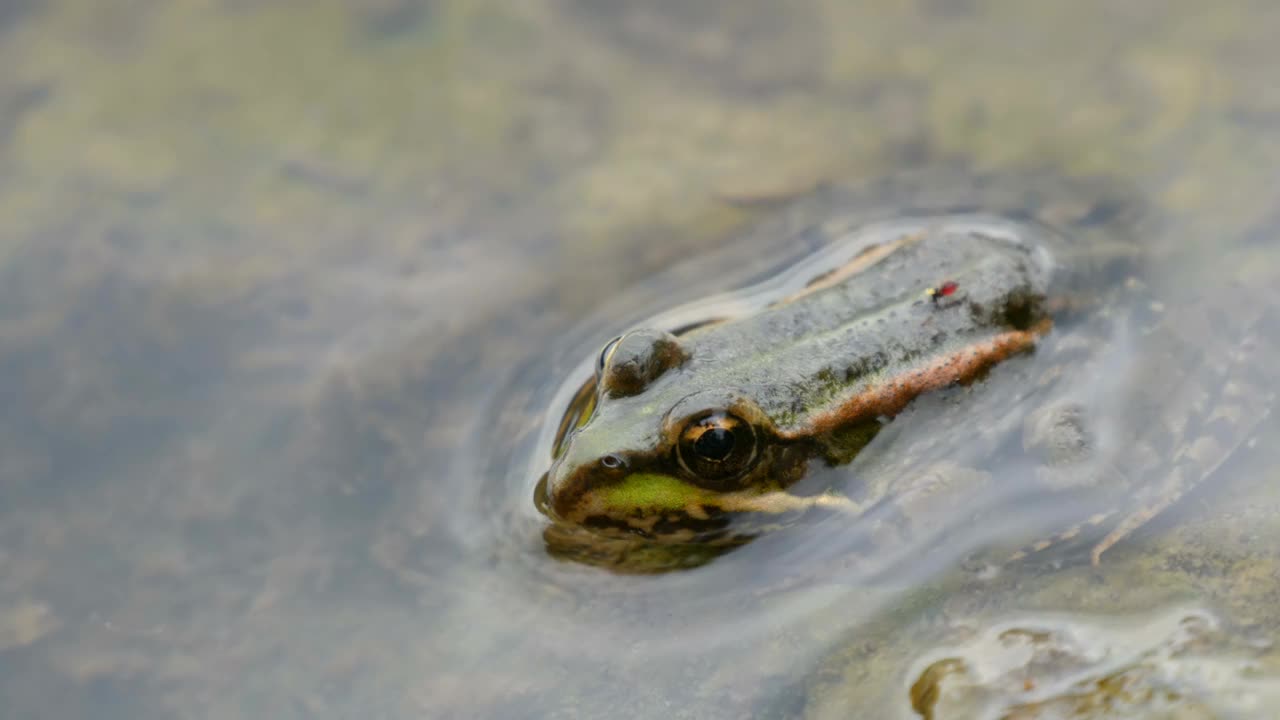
796, 368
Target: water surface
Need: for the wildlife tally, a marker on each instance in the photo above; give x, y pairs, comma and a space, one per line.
286, 291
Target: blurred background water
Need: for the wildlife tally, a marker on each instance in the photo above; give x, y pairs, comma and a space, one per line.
286, 288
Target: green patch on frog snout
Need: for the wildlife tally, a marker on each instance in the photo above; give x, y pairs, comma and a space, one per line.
659, 492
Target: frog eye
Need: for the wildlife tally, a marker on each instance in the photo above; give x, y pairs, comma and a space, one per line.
717, 447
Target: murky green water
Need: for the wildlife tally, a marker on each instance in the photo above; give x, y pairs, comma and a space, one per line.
286, 289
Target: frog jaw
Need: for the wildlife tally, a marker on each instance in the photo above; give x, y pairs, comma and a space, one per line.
667, 509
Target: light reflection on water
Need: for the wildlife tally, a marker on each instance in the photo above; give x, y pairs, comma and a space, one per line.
286, 294
824, 573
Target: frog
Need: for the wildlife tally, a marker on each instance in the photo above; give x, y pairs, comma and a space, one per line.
700, 436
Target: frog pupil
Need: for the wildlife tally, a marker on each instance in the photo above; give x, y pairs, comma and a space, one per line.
714, 444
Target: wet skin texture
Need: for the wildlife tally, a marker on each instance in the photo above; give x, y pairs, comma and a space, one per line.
676, 436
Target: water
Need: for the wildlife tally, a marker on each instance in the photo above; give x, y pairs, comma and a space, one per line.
286, 291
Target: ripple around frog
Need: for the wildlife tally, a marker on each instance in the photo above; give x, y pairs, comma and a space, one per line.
785, 578
787, 575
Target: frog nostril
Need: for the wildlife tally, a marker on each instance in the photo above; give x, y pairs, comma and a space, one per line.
612, 462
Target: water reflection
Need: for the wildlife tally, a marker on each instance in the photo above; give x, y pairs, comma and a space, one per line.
286, 293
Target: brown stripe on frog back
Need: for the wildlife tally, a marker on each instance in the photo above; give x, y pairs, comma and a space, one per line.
891, 397
865, 259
